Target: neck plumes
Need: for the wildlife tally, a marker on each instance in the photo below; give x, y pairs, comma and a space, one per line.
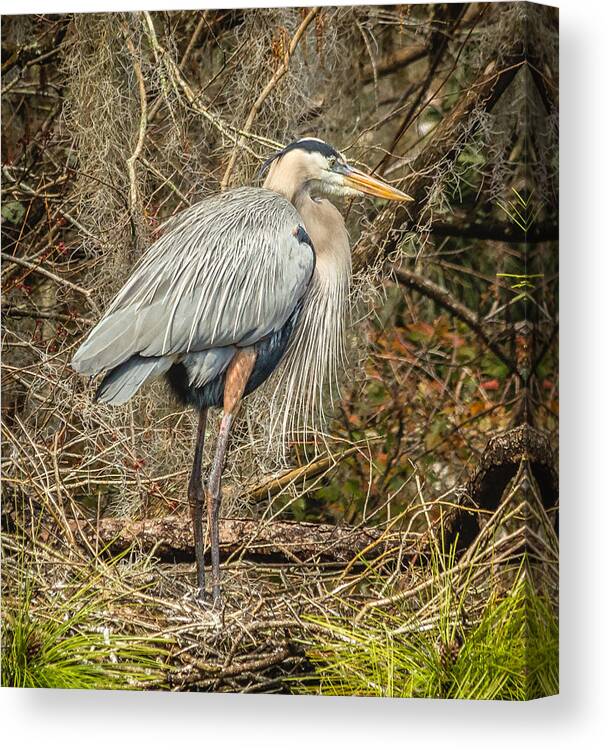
308, 380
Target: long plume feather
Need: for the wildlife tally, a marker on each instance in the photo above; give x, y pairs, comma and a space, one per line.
307, 383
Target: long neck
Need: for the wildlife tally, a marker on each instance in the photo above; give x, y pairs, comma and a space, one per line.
287, 177
325, 227
316, 353
322, 220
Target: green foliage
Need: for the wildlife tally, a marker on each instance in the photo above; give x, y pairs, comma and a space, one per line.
54, 644
510, 653
521, 211
12, 212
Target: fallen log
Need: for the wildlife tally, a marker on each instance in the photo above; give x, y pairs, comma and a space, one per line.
170, 538
500, 462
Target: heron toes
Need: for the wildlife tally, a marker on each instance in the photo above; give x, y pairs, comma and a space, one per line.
212, 601
204, 600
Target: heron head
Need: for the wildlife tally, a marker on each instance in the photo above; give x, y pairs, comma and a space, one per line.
317, 167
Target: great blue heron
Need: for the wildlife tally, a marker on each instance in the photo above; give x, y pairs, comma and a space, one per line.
239, 282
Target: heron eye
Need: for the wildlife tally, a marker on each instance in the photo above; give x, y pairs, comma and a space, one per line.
331, 160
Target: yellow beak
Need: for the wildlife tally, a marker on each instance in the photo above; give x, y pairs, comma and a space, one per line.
365, 183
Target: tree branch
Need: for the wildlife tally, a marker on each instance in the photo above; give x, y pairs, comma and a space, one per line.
49, 274
438, 43
483, 94
443, 298
544, 232
143, 123
399, 59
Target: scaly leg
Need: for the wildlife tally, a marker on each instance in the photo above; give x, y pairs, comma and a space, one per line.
213, 502
237, 375
195, 498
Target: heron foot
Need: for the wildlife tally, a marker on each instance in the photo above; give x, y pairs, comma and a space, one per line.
212, 600
217, 597
205, 599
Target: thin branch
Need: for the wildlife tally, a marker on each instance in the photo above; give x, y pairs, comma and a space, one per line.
49, 274
24, 187
194, 38
398, 60
180, 83
497, 232
443, 298
483, 94
272, 487
440, 43
19, 312
143, 124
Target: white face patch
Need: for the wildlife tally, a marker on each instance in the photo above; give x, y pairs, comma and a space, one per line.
321, 162
326, 180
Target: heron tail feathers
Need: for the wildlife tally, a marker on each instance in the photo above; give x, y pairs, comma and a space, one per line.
123, 381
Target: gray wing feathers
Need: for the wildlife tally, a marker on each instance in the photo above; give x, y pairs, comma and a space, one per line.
228, 272
111, 342
125, 380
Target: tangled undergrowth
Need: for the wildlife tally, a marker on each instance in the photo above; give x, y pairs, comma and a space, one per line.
385, 623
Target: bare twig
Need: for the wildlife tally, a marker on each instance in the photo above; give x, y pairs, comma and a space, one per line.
234, 134
143, 122
49, 274
446, 300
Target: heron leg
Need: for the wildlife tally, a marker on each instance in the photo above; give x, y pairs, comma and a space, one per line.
237, 375
195, 498
213, 502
